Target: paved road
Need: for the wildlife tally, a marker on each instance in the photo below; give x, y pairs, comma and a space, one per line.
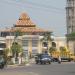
33, 69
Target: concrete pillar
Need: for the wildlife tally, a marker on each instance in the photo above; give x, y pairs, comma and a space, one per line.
39, 46
30, 47
19, 60
49, 44
13, 60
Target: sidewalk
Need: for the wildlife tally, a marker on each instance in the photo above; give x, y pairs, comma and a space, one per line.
22, 65
14, 66
32, 60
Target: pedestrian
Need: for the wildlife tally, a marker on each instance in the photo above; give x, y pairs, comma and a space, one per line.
59, 59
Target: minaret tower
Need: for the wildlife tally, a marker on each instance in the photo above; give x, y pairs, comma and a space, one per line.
70, 16
70, 20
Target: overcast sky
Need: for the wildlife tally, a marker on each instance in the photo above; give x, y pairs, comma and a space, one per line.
47, 14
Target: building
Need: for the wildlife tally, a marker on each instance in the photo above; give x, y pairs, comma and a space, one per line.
2, 45
70, 15
27, 34
60, 42
70, 18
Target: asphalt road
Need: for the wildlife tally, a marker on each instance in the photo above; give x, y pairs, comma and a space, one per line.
65, 68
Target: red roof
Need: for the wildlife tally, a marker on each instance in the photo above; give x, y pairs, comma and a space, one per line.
24, 21
24, 24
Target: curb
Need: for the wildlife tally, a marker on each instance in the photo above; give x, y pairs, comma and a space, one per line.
14, 66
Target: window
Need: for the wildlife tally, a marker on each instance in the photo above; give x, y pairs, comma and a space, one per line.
25, 52
45, 44
25, 43
2, 45
34, 51
34, 43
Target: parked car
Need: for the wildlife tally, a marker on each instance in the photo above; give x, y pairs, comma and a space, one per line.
66, 59
43, 59
2, 62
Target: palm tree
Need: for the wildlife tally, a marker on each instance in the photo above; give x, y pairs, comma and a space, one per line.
63, 51
47, 39
18, 33
52, 49
6, 52
16, 50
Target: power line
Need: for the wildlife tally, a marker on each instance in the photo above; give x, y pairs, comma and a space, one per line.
41, 5
30, 5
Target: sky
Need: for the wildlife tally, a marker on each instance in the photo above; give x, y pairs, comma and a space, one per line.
46, 14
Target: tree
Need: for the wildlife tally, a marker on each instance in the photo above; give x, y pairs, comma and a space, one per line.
71, 36
62, 49
47, 39
6, 51
52, 49
17, 52
47, 36
7, 55
16, 49
18, 33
